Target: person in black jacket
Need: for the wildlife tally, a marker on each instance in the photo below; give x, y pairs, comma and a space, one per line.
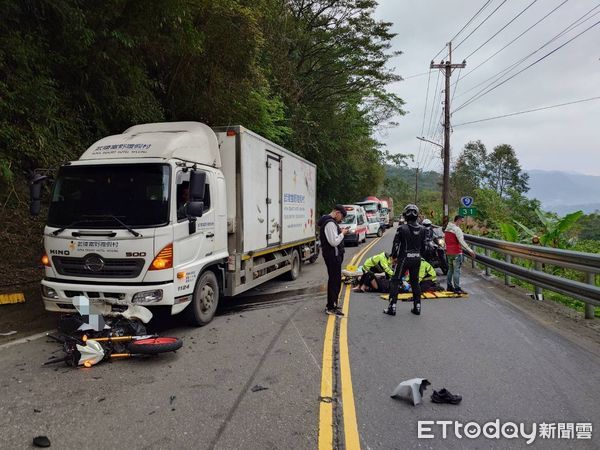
332, 245
409, 245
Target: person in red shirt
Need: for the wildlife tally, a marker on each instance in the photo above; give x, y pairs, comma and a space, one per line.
455, 242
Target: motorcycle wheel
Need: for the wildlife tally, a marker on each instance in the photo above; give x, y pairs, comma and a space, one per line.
154, 346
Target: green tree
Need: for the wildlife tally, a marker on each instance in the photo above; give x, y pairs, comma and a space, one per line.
588, 227
503, 172
328, 62
469, 170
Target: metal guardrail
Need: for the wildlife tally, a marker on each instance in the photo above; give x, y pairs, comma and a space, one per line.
588, 263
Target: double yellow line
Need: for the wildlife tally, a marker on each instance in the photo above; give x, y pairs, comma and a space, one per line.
351, 437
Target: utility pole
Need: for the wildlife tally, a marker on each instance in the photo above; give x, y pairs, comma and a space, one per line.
447, 66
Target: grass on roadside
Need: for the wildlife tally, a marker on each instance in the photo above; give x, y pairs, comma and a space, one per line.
572, 303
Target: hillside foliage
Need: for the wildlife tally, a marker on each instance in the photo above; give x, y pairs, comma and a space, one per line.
309, 74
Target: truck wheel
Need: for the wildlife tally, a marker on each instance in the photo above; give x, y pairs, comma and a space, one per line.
295, 270
379, 232
205, 301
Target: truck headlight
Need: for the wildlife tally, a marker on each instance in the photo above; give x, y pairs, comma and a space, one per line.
49, 292
148, 297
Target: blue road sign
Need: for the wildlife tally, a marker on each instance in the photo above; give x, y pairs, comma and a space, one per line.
467, 202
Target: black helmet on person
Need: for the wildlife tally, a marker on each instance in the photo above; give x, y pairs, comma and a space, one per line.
411, 212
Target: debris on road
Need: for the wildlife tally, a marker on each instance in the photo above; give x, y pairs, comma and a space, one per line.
258, 388
411, 390
41, 441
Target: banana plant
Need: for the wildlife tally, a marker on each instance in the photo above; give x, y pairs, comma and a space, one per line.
509, 232
553, 228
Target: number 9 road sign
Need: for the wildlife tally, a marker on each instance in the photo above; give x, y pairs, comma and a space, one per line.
467, 202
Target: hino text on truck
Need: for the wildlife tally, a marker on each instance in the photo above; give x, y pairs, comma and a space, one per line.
175, 215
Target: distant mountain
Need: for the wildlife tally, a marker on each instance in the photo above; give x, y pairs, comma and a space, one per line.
564, 192
428, 181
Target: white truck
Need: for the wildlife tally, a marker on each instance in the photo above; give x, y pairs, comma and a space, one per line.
176, 215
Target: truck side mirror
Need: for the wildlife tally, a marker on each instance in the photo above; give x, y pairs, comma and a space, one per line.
35, 193
194, 209
197, 185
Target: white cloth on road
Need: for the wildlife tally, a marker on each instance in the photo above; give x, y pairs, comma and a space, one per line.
411, 389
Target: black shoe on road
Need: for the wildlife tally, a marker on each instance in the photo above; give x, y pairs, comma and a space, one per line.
334, 312
444, 396
459, 291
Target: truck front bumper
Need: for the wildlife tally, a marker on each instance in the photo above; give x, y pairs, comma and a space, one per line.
58, 297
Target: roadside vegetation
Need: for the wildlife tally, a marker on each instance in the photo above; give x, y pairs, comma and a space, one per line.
498, 186
310, 75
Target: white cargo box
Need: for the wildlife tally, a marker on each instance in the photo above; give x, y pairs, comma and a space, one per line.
271, 192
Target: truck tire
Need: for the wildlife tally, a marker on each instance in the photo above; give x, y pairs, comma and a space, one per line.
379, 232
206, 300
295, 270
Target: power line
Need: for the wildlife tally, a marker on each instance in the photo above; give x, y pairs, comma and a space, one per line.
478, 96
415, 75
501, 29
528, 111
514, 40
464, 26
478, 26
423, 123
433, 103
498, 75
456, 84
435, 138
433, 133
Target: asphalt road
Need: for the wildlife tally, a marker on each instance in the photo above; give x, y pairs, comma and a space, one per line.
506, 365
200, 397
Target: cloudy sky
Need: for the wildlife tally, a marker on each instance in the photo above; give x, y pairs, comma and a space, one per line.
565, 138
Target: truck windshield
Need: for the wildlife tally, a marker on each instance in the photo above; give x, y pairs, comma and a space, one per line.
92, 196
